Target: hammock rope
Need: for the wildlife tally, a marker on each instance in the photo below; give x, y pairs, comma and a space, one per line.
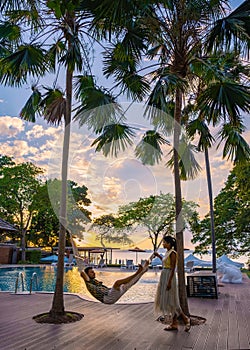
80, 262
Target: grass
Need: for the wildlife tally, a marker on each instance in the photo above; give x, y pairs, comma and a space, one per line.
247, 272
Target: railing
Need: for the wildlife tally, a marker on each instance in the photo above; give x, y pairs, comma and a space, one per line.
17, 280
33, 278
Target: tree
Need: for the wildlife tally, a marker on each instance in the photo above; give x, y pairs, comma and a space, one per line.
6, 161
155, 213
38, 38
224, 77
45, 222
175, 32
231, 214
109, 229
179, 35
19, 184
44, 225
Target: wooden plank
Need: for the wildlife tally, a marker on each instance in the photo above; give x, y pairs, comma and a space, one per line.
125, 327
223, 330
205, 328
244, 340
212, 339
233, 331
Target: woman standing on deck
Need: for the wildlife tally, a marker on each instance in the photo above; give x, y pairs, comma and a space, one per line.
167, 296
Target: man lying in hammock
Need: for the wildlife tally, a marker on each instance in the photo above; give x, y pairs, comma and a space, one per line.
111, 295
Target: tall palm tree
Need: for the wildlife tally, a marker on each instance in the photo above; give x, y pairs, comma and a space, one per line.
205, 142
180, 33
39, 38
225, 75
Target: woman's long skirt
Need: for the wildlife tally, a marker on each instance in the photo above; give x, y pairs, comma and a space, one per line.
167, 301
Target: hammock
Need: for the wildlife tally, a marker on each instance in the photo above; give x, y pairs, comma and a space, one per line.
117, 294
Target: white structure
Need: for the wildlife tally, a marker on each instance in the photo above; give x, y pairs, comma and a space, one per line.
230, 273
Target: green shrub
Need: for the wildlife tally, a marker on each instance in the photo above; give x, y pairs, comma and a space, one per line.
33, 256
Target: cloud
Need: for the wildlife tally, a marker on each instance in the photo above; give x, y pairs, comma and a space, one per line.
39, 131
11, 126
18, 149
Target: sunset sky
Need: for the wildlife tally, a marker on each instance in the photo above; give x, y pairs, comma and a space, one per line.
111, 181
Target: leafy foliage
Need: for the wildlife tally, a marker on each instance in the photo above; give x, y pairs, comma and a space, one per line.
231, 215
27, 203
155, 213
109, 230
18, 186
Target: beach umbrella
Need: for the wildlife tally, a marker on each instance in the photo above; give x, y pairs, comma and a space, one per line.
52, 258
137, 250
97, 251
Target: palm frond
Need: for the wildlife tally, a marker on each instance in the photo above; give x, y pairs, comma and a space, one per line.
236, 148
54, 106
26, 61
98, 108
233, 30
189, 167
13, 5
72, 57
135, 85
200, 127
31, 107
55, 51
110, 15
9, 33
122, 63
149, 148
160, 108
114, 138
29, 16
224, 98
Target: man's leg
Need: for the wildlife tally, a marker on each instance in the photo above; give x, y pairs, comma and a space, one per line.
130, 280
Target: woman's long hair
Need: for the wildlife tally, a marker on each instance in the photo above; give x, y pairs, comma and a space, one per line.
171, 240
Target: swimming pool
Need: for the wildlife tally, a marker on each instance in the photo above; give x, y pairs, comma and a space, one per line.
143, 291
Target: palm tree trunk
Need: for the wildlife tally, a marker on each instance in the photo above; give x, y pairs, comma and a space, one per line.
58, 301
178, 205
211, 206
23, 245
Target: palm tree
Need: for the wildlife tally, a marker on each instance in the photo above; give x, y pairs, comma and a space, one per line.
205, 142
174, 30
226, 74
39, 38
179, 35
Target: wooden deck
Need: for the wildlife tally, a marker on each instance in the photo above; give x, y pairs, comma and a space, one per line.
126, 326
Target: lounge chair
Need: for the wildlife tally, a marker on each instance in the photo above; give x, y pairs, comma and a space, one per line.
189, 267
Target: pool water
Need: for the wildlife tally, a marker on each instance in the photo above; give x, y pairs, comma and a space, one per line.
143, 291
